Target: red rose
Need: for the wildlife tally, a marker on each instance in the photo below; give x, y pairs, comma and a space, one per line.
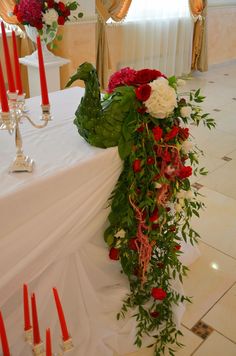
157, 132
185, 172
154, 215
158, 293
66, 13
15, 10
155, 314
137, 165
61, 20
61, 6
143, 92
114, 254
150, 160
183, 133
133, 244
50, 4
172, 133
144, 76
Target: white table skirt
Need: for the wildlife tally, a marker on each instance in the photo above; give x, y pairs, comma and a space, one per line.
52, 224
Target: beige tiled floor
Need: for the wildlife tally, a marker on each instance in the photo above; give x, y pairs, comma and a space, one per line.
212, 278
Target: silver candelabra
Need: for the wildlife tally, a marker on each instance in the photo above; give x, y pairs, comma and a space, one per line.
11, 121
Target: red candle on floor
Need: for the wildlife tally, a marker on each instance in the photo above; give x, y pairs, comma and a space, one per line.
11, 83
17, 65
27, 325
43, 82
3, 93
36, 334
48, 343
3, 336
64, 330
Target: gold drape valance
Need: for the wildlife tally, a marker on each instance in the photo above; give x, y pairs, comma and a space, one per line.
106, 9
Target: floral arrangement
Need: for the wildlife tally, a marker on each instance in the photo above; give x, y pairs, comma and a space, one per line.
153, 201
45, 15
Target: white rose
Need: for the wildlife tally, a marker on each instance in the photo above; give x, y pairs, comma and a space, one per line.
186, 111
181, 83
50, 16
162, 100
187, 146
120, 233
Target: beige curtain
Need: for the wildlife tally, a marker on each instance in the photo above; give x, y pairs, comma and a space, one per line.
25, 45
117, 10
199, 53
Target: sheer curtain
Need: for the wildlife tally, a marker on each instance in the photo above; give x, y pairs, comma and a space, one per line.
158, 34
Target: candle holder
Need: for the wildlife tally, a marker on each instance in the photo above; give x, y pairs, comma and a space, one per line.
28, 336
10, 121
38, 349
67, 345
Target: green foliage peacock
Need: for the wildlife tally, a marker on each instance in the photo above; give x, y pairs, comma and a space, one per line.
98, 121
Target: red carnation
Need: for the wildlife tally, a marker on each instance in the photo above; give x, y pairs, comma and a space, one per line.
61, 20
125, 76
185, 172
172, 133
150, 160
61, 6
143, 92
133, 244
137, 165
155, 314
183, 133
114, 254
157, 132
154, 215
158, 293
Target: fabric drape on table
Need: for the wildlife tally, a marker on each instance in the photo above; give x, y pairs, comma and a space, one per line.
25, 45
117, 10
199, 54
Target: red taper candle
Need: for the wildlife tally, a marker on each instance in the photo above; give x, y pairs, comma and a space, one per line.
27, 325
36, 334
64, 330
11, 83
3, 336
48, 343
43, 82
19, 86
3, 93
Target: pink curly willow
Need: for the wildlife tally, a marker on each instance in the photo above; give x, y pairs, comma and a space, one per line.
143, 245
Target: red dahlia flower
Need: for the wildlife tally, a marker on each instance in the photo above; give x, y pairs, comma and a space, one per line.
158, 293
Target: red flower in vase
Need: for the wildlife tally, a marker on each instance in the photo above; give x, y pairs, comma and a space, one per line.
143, 92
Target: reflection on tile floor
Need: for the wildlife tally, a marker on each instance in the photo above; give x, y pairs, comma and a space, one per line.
212, 278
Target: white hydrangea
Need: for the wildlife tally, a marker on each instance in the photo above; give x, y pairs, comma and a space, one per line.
187, 146
50, 16
186, 111
162, 100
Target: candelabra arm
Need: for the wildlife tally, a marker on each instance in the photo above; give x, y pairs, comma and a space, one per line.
35, 125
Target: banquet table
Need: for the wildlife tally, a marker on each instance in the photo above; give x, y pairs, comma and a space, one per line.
52, 223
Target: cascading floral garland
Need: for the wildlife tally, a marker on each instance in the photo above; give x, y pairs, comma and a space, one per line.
153, 201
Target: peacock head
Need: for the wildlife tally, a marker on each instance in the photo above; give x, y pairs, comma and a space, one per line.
85, 72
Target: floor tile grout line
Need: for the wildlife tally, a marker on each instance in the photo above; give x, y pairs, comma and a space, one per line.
218, 250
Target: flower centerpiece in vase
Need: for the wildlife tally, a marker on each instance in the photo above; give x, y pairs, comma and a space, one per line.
43, 17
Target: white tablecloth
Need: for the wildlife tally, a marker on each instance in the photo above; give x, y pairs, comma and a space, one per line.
52, 224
